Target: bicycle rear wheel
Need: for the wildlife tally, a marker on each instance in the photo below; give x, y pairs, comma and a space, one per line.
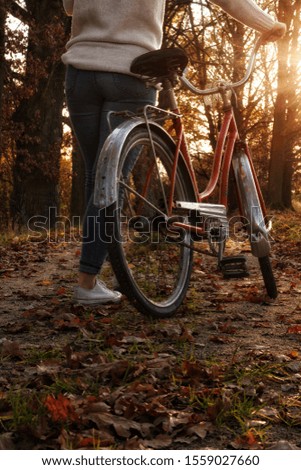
254, 219
151, 259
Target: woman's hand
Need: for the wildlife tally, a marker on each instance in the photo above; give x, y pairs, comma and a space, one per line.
275, 33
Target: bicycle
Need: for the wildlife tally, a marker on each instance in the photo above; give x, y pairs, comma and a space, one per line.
155, 213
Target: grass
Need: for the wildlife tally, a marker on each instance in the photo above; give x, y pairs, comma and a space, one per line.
150, 372
286, 226
218, 391
36, 355
234, 393
26, 409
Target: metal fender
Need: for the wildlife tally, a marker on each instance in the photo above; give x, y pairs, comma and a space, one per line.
105, 190
251, 207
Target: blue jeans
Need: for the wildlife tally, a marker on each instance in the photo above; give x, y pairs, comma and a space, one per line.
90, 96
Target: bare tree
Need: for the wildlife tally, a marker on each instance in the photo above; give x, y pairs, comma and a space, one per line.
38, 116
286, 120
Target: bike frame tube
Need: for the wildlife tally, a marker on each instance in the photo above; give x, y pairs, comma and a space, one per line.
146, 186
228, 129
181, 145
180, 136
189, 228
227, 159
184, 149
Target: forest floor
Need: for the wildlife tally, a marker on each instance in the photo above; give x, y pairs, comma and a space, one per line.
223, 373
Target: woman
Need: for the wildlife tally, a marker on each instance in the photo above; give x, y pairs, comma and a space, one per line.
106, 36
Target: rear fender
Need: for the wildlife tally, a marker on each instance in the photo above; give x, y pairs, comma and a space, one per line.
105, 191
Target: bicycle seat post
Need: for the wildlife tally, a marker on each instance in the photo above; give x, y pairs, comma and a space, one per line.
163, 66
167, 99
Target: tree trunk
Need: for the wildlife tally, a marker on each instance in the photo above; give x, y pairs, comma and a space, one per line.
38, 118
2, 63
293, 126
277, 159
285, 112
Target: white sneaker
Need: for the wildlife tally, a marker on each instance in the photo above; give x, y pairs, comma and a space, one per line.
100, 294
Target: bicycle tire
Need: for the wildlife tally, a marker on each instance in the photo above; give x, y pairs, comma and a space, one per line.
151, 261
268, 276
254, 219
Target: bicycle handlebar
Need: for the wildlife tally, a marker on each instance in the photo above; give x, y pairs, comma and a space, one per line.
225, 85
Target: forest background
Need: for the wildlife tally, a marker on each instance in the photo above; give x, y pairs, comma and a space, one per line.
224, 373
41, 171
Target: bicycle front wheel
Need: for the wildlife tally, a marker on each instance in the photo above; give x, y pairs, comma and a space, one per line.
152, 260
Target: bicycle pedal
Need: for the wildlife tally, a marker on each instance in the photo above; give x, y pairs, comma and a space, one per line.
234, 266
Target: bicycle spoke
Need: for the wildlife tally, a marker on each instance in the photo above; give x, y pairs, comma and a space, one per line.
131, 190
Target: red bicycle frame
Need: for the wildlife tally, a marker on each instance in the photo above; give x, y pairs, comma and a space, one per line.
227, 139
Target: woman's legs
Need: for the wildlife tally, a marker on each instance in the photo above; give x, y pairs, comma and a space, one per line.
90, 96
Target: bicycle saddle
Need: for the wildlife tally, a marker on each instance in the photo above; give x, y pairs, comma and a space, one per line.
160, 63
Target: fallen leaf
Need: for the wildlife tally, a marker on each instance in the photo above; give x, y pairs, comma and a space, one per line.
293, 354
45, 282
219, 339
200, 429
6, 441
122, 426
250, 438
60, 408
160, 442
61, 291
296, 329
172, 421
12, 349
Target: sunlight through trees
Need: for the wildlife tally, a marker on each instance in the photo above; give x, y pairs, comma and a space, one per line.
32, 39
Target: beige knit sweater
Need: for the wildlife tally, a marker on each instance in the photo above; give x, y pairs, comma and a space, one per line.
108, 34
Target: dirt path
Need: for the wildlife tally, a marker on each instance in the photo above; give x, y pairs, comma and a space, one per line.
223, 373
